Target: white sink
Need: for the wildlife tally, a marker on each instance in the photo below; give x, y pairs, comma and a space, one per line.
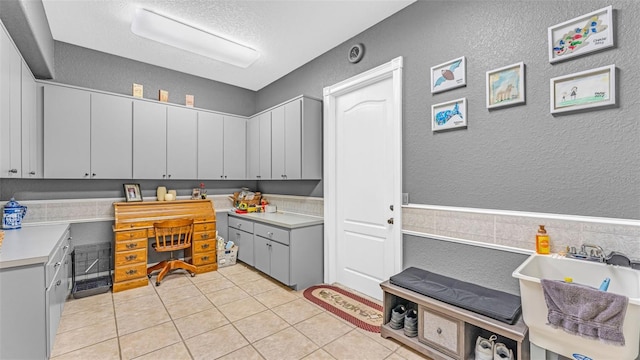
624, 281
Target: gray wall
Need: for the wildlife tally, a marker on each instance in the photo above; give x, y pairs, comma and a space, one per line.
518, 158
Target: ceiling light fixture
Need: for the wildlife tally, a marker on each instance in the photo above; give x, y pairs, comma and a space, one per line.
162, 29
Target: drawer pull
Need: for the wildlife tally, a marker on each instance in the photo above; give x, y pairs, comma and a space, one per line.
59, 282
131, 235
131, 226
132, 245
131, 257
205, 227
57, 264
65, 247
205, 246
205, 258
131, 272
239, 225
439, 331
269, 233
205, 236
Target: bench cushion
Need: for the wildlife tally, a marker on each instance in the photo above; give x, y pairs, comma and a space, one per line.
495, 304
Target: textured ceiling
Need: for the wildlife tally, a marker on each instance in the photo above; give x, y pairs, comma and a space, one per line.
287, 34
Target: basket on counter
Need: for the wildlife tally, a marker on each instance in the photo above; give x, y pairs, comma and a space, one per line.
237, 199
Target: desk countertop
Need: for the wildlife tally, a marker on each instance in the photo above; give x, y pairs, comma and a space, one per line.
30, 245
286, 220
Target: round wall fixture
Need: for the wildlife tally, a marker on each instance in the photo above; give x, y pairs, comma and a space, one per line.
355, 53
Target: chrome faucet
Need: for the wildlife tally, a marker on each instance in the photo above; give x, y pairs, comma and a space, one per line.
596, 253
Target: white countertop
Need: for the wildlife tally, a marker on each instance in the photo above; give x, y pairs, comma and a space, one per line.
30, 245
283, 219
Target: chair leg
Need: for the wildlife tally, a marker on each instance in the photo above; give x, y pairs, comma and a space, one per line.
155, 267
179, 264
164, 272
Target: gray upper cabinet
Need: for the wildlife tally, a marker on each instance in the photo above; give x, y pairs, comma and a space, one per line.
296, 144
111, 137
32, 166
67, 129
182, 145
235, 147
149, 140
210, 146
10, 108
259, 147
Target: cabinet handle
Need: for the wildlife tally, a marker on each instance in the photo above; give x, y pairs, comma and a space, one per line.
13, 171
205, 227
205, 258
439, 331
238, 234
59, 282
239, 225
131, 235
269, 234
225, 176
131, 272
164, 176
57, 264
221, 176
132, 246
205, 236
86, 174
93, 174
169, 176
131, 257
205, 246
65, 247
32, 172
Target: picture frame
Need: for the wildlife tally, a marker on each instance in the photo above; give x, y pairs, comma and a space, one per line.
505, 86
583, 90
132, 192
195, 194
581, 35
449, 115
449, 75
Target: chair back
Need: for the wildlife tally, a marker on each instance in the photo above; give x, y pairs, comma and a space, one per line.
173, 234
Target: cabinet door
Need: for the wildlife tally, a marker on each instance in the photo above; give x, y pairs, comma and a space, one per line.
244, 240
10, 109
279, 262
277, 143
111, 137
149, 140
210, 146
293, 139
261, 254
67, 133
253, 148
182, 144
235, 140
31, 145
265, 146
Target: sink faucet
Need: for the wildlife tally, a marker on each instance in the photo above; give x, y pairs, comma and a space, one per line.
587, 252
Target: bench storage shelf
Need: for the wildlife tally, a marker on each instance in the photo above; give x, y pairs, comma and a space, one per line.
449, 332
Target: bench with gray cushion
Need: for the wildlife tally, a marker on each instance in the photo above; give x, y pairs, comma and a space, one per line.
492, 303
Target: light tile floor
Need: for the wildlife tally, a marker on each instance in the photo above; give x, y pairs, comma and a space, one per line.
233, 313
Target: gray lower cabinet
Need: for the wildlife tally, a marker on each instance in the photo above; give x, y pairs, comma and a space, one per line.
31, 304
271, 257
241, 233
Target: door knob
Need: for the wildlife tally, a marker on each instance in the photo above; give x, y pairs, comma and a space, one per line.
390, 221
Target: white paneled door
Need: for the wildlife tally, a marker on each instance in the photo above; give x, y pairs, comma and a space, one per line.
363, 123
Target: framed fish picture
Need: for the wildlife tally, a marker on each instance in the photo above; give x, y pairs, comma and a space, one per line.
449, 75
505, 86
449, 115
582, 35
584, 90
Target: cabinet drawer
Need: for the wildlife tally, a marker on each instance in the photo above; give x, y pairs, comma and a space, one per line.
205, 235
131, 257
131, 245
204, 258
240, 224
130, 235
211, 226
440, 331
57, 259
123, 273
272, 233
204, 246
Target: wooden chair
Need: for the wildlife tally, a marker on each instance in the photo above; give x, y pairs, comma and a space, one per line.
172, 235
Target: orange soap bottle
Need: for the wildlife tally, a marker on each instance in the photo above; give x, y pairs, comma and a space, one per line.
543, 245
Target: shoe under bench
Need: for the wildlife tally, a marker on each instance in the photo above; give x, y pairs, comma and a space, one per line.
447, 332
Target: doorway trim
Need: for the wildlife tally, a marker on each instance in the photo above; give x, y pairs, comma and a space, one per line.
391, 69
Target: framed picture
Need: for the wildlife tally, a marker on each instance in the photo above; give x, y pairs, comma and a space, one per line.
505, 86
449, 115
449, 75
132, 192
582, 35
584, 90
195, 194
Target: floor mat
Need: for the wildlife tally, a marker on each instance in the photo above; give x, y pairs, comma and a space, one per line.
361, 312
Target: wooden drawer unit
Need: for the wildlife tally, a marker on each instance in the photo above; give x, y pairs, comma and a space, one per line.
440, 331
134, 226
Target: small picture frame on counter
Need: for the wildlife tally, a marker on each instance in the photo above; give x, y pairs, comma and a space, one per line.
195, 194
132, 192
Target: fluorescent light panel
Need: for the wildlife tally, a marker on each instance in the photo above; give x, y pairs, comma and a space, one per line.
162, 29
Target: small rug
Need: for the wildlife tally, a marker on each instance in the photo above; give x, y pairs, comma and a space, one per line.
359, 311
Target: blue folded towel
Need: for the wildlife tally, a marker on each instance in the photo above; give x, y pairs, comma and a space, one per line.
585, 311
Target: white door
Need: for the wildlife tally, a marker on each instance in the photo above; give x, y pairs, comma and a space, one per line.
363, 179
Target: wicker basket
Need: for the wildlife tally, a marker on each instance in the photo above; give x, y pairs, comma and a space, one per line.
255, 201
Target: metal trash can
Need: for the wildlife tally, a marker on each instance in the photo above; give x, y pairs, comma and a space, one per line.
91, 269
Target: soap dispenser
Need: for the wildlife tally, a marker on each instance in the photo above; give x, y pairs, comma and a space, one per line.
543, 245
